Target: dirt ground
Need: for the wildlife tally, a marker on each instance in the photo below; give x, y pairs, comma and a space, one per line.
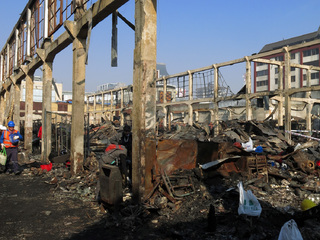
34, 208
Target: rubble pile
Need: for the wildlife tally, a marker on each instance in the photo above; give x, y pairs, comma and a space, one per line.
202, 202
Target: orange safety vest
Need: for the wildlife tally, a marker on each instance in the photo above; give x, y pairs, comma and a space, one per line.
6, 139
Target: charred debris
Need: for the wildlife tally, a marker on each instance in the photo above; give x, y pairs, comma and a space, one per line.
195, 179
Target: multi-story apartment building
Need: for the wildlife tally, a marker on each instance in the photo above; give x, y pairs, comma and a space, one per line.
266, 76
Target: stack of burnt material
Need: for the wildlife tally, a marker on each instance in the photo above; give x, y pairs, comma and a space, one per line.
99, 136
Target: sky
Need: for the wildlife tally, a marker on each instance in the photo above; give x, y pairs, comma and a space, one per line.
190, 35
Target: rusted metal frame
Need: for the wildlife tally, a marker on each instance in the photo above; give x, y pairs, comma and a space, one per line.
167, 183
70, 5
33, 31
22, 43
12, 47
53, 12
60, 13
36, 20
151, 192
41, 23
5, 69
171, 198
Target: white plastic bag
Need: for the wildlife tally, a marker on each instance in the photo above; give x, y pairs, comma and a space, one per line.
290, 231
248, 146
248, 203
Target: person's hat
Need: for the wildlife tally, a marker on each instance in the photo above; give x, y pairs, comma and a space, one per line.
11, 124
259, 149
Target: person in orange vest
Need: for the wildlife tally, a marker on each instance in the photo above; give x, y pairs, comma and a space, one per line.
10, 140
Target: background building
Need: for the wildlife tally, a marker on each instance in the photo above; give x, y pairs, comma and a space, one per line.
37, 90
266, 76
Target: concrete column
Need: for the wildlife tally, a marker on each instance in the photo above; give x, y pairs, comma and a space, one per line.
46, 111
165, 121
190, 86
309, 105
211, 116
165, 109
280, 104
248, 90
102, 103
144, 97
190, 108
190, 114
46, 101
1, 68
16, 111
28, 44
28, 125
230, 114
7, 102
197, 116
2, 108
215, 100
8, 61
46, 19
95, 108
164, 90
111, 102
78, 90
287, 96
121, 112
15, 64
170, 120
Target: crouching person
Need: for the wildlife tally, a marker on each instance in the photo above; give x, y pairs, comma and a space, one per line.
113, 171
116, 155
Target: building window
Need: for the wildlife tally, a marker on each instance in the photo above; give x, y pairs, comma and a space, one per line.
293, 56
276, 81
311, 52
262, 73
260, 64
293, 78
313, 76
262, 83
313, 63
293, 68
279, 58
276, 70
